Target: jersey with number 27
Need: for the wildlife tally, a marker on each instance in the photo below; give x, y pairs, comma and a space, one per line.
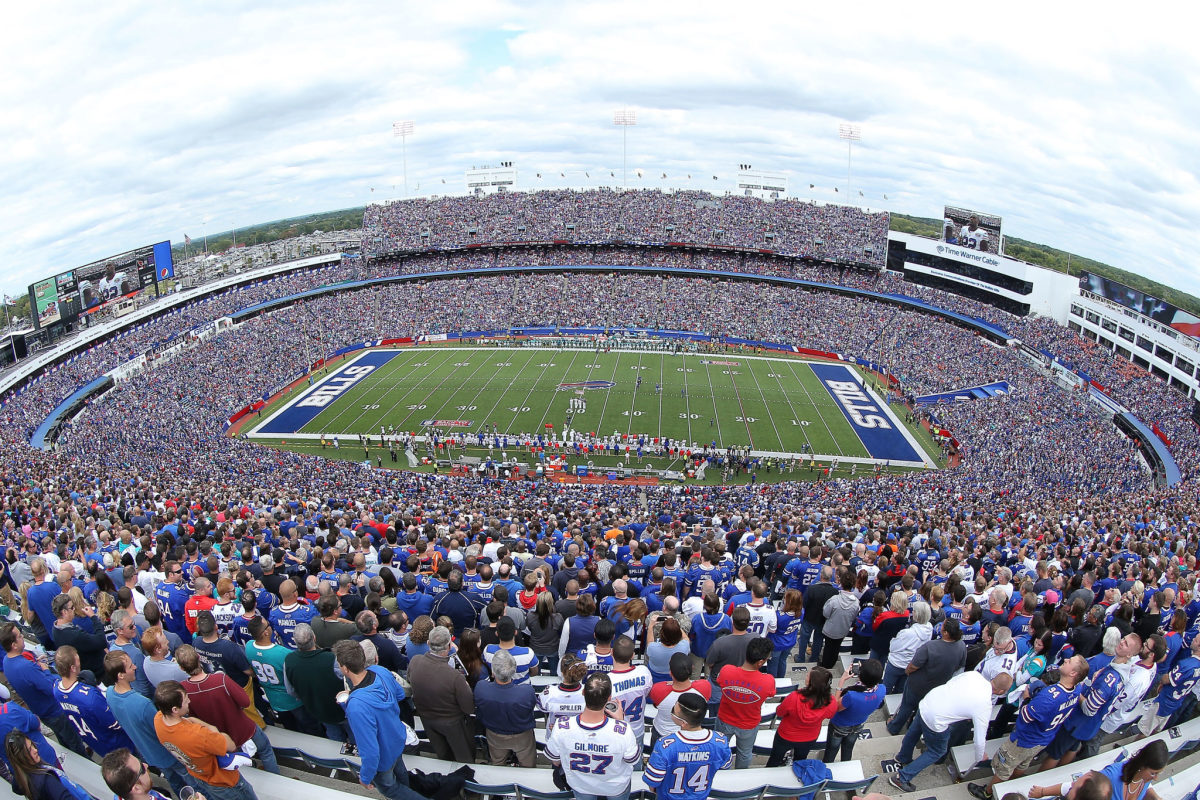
683, 767
597, 759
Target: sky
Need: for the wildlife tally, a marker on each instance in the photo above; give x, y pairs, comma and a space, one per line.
127, 123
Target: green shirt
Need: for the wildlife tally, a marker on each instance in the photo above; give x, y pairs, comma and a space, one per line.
267, 663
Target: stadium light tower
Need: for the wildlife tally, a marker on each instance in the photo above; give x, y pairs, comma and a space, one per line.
404, 130
851, 133
624, 119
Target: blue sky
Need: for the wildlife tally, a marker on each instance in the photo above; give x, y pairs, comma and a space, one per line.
130, 123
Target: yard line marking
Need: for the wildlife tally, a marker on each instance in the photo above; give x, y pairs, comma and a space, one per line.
633, 399
566, 371
613, 378
788, 397
836, 442
742, 409
437, 414
662, 378
500, 395
716, 417
687, 402
766, 405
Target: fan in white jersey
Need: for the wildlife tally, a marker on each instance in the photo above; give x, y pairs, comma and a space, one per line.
596, 750
630, 686
999, 665
762, 614
973, 236
564, 699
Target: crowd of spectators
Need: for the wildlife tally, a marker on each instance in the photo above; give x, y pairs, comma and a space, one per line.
639, 217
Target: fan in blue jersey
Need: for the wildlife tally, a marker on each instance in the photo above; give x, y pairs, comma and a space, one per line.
1176, 686
85, 706
288, 614
746, 555
1038, 723
172, 596
683, 764
1083, 725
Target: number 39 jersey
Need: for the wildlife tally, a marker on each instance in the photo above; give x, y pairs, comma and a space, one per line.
597, 759
684, 763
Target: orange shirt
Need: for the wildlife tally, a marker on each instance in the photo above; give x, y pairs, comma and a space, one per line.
197, 749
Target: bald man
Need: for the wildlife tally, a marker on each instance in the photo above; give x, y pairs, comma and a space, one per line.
290, 612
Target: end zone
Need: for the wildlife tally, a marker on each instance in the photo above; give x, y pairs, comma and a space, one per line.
885, 438
304, 408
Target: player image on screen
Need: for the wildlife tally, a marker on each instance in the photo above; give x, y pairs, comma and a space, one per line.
950, 231
973, 236
90, 297
110, 284
972, 230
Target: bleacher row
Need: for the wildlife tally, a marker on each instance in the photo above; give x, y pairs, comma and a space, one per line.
324, 756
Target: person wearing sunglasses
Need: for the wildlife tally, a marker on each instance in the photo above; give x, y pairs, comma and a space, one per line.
128, 778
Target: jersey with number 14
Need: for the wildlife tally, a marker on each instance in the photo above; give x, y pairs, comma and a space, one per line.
630, 689
682, 767
88, 711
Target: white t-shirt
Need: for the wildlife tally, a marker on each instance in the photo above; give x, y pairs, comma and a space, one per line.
597, 759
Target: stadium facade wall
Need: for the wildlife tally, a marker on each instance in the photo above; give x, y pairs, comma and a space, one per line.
1008, 283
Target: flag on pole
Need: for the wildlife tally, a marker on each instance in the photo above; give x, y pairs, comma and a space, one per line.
187, 239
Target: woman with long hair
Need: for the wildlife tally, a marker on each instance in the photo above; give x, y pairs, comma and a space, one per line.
33, 776
1132, 779
629, 618
544, 625
470, 656
858, 703
864, 624
787, 626
802, 713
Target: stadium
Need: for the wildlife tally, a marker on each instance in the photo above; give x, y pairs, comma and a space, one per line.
626, 401
427, 399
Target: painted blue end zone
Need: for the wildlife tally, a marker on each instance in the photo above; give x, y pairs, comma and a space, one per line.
293, 417
874, 425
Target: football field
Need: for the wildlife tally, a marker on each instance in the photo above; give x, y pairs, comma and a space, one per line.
772, 404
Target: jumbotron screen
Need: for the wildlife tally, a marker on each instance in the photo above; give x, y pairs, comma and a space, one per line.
973, 230
92, 287
1158, 310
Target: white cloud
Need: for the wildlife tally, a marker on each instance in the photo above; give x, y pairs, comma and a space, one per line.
132, 123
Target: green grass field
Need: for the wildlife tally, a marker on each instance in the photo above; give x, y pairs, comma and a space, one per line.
772, 404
